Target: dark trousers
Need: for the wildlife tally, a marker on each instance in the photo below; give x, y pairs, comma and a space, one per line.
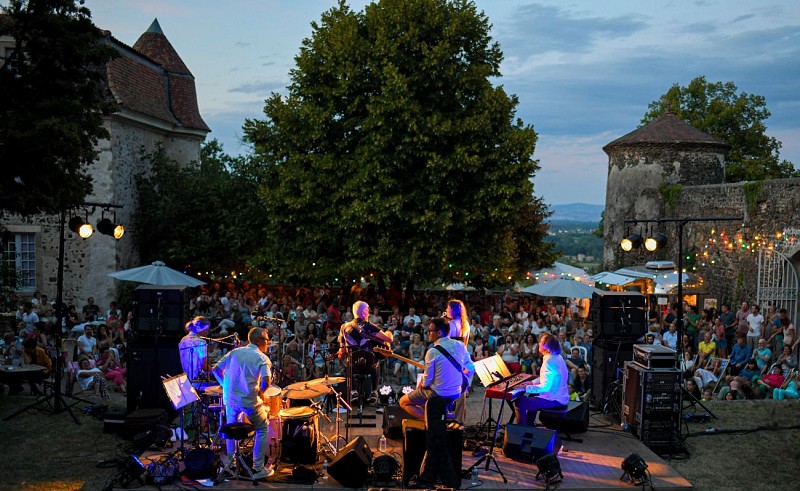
528, 406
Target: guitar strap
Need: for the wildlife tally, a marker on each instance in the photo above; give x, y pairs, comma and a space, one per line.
464, 381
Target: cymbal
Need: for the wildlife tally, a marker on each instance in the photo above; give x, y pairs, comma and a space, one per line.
302, 390
326, 381
214, 390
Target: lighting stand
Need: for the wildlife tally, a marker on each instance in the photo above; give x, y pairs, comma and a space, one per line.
58, 404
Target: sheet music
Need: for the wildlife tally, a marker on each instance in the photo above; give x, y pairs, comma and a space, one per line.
180, 391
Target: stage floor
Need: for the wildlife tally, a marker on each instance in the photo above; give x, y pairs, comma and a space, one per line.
592, 464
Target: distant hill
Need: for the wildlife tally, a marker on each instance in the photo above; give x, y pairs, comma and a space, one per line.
576, 212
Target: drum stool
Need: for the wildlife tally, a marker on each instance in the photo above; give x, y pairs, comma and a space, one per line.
238, 432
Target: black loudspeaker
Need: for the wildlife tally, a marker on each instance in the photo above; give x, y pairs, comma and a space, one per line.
393, 417
415, 443
576, 420
351, 464
161, 309
608, 361
604, 300
528, 443
147, 364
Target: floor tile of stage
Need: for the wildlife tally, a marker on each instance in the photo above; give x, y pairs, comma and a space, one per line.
593, 464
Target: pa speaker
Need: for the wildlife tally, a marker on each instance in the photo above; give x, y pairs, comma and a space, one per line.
161, 309
415, 445
603, 300
147, 365
351, 464
575, 421
393, 417
528, 443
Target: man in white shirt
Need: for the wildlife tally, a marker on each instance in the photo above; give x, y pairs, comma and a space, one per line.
412, 314
245, 373
754, 322
87, 343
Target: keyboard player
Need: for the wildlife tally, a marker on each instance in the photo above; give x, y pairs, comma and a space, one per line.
550, 389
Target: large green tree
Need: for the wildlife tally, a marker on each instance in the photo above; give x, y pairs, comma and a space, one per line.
204, 217
735, 118
393, 152
52, 104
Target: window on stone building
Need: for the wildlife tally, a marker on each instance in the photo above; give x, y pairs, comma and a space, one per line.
19, 256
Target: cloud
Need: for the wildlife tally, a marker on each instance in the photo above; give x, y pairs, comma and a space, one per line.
261, 87
241, 44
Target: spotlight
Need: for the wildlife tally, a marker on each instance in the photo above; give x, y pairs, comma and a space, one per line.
634, 469
107, 227
658, 241
633, 241
81, 227
549, 469
386, 394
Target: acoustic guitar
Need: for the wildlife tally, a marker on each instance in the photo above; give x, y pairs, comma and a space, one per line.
384, 351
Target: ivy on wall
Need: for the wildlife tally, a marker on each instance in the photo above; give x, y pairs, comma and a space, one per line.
752, 191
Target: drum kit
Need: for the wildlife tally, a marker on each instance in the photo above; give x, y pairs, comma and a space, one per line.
295, 436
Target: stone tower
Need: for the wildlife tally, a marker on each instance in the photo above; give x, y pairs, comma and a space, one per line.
665, 152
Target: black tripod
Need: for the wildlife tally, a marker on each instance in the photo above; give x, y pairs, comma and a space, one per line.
58, 403
489, 458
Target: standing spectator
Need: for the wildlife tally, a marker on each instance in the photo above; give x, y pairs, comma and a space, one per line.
90, 310
728, 320
692, 324
755, 321
720, 339
741, 320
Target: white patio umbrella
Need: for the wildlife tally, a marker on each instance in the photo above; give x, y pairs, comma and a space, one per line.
157, 273
561, 288
560, 270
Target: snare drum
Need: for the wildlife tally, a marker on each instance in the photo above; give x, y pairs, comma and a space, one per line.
211, 395
299, 426
272, 399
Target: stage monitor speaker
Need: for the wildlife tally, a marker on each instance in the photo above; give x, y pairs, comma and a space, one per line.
393, 417
415, 444
608, 361
576, 420
528, 443
147, 364
603, 299
351, 465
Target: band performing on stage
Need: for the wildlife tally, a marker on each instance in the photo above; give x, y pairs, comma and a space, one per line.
240, 406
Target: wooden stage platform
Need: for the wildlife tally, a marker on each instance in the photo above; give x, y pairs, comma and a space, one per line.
593, 464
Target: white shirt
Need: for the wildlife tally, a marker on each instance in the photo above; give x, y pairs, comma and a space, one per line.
755, 322
193, 352
440, 375
671, 339
87, 344
416, 318
552, 381
246, 371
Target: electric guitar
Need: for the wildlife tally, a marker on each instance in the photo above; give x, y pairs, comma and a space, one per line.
384, 351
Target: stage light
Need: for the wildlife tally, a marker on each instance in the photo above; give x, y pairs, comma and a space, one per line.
133, 470
386, 394
549, 469
658, 241
81, 227
633, 241
634, 469
107, 227
385, 468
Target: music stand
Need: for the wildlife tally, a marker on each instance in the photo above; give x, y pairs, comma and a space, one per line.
181, 393
487, 370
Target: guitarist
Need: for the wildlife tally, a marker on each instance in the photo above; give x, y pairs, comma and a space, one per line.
359, 337
441, 376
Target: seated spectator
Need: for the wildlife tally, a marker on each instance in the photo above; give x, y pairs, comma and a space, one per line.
762, 354
731, 392
791, 391
707, 395
687, 361
31, 353
527, 354
787, 360
89, 377
692, 388
575, 361
705, 350
112, 369
739, 355
582, 383
705, 377
670, 337
764, 386
508, 352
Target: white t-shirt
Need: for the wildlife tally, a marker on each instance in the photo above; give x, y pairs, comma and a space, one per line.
755, 322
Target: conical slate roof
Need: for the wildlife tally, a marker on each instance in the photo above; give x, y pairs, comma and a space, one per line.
667, 130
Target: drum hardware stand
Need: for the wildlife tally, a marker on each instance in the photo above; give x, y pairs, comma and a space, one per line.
489, 457
339, 403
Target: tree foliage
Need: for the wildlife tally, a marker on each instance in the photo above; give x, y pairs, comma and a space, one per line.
204, 217
393, 152
52, 104
735, 118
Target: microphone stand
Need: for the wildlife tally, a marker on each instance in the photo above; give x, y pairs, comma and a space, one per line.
489, 457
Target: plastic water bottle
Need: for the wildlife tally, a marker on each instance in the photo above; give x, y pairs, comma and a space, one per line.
475, 476
382, 444
325, 469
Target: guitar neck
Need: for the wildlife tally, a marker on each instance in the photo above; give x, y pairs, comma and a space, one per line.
387, 352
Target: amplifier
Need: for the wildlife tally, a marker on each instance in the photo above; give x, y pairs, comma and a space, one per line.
654, 356
652, 404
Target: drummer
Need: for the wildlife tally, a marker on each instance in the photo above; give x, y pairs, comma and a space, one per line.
245, 374
194, 349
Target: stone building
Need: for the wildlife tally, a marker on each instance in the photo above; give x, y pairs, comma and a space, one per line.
669, 169
157, 102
